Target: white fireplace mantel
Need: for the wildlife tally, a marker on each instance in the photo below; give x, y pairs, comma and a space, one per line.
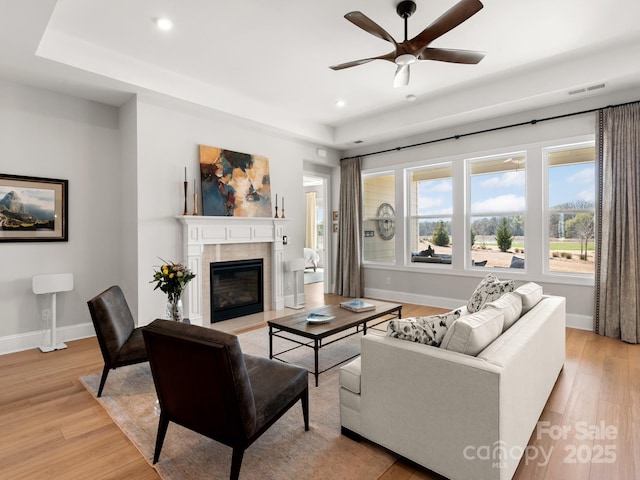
198, 231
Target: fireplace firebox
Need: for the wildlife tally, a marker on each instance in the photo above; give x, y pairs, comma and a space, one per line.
237, 288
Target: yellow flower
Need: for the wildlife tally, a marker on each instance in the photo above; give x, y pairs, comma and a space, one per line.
171, 275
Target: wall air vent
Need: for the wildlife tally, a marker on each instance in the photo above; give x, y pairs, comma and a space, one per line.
587, 89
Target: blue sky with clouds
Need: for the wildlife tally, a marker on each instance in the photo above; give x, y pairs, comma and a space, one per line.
498, 192
570, 183
435, 197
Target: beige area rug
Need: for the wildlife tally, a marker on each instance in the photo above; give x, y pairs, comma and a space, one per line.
284, 452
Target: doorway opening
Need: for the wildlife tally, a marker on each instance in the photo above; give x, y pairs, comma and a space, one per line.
318, 230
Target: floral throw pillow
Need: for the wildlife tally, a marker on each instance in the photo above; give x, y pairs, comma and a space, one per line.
428, 330
489, 289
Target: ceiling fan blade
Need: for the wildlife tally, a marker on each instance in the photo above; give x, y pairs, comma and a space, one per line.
469, 57
361, 20
351, 64
388, 56
453, 17
401, 78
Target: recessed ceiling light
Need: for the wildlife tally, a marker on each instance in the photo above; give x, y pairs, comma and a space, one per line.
411, 98
340, 103
163, 23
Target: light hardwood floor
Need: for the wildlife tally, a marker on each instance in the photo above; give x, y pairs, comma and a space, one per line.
51, 427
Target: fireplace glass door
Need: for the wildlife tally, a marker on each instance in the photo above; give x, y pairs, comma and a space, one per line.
237, 288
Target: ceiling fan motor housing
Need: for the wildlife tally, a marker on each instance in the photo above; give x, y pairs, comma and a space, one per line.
406, 8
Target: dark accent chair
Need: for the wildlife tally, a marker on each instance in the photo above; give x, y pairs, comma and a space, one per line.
120, 342
205, 383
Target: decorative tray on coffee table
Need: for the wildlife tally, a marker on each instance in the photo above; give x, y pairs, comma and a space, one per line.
319, 317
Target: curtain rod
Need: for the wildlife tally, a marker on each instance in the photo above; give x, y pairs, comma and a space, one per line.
487, 130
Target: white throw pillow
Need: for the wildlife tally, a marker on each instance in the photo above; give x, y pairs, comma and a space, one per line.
531, 294
428, 330
473, 333
511, 305
489, 289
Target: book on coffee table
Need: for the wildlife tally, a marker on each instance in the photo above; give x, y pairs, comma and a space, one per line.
358, 305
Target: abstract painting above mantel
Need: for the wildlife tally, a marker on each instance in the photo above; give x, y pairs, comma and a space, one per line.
234, 184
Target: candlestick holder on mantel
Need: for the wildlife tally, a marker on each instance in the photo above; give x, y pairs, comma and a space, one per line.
186, 186
195, 204
276, 215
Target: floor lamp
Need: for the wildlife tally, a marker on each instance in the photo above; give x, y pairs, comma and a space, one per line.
43, 284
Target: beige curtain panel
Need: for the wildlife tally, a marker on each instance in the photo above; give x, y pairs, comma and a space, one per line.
349, 281
617, 282
311, 227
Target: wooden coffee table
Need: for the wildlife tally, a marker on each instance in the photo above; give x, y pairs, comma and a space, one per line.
297, 324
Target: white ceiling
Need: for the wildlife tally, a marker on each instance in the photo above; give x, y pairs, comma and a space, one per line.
268, 61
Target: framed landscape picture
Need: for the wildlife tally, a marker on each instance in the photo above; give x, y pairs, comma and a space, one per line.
33, 209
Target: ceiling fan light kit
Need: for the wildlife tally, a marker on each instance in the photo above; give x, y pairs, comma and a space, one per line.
417, 49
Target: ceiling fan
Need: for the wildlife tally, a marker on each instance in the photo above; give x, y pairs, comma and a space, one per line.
417, 49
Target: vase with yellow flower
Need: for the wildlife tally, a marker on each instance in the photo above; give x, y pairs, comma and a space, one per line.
172, 278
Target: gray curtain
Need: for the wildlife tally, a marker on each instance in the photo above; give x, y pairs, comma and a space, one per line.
349, 282
617, 282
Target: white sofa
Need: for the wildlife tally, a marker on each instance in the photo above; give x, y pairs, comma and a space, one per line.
464, 417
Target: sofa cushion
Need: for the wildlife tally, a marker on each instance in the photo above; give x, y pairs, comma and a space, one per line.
350, 376
531, 294
473, 333
428, 330
511, 305
489, 289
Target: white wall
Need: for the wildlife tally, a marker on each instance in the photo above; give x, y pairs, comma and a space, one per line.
128, 257
451, 288
168, 139
45, 134
125, 169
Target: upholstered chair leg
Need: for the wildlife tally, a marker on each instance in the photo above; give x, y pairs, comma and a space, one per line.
305, 408
236, 462
163, 423
105, 372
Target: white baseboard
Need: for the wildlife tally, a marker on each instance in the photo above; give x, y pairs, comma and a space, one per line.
27, 341
288, 301
582, 322
402, 297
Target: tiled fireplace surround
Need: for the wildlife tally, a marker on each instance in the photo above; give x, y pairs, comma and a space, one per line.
218, 239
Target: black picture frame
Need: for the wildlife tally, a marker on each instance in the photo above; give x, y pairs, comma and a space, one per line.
33, 209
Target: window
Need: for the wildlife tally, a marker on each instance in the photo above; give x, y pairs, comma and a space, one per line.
379, 217
473, 213
430, 209
571, 208
497, 207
